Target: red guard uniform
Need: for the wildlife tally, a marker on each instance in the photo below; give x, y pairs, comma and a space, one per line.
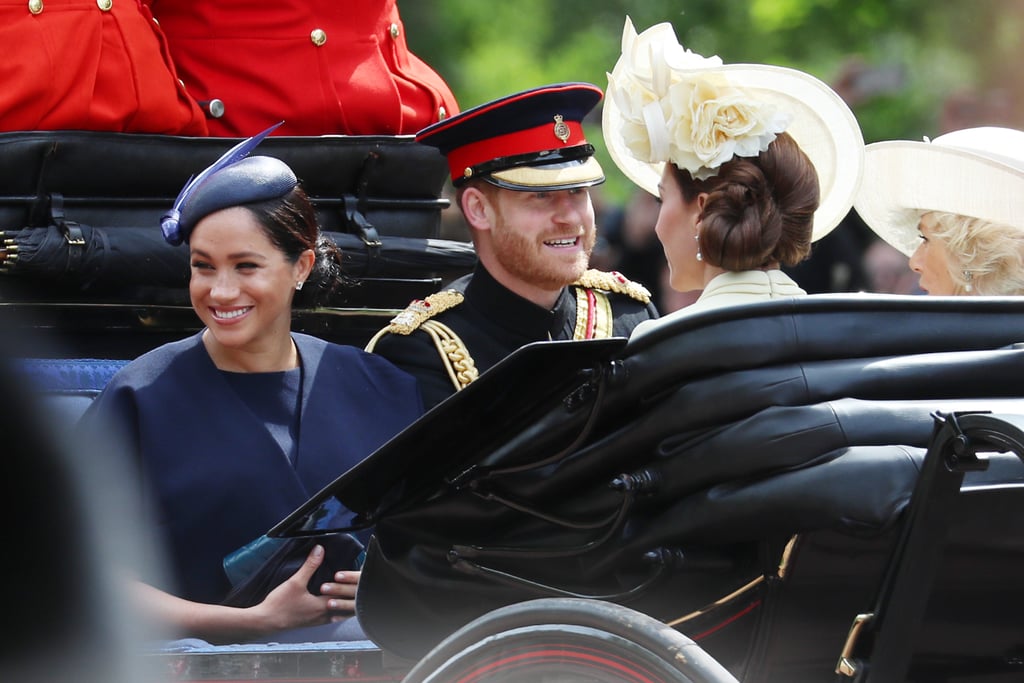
89, 65
321, 66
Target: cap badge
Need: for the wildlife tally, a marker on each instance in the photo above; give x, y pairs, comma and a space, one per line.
561, 128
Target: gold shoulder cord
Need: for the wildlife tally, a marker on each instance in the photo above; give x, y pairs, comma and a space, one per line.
454, 354
417, 316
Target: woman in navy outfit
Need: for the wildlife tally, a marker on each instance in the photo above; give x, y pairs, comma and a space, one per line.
238, 425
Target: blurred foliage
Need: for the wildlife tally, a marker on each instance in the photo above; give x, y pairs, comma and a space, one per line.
909, 68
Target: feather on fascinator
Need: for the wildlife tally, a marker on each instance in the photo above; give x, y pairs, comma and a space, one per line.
175, 224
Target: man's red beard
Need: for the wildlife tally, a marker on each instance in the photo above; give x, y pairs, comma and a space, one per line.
526, 259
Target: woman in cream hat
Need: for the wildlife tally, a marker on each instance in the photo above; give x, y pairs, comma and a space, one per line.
954, 205
752, 163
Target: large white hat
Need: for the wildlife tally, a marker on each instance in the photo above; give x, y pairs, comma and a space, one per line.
657, 85
977, 172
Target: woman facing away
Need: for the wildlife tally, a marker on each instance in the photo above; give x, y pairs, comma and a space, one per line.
751, 162
236, 426
954, 206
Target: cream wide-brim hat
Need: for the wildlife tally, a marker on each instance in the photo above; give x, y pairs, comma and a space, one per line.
976, 172
821, 124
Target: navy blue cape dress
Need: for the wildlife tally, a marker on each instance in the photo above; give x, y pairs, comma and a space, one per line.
215, 477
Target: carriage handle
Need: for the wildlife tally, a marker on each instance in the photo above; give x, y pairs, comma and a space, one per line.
899, 608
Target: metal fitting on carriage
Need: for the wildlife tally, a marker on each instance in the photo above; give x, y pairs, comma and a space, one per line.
666, 557
644, 482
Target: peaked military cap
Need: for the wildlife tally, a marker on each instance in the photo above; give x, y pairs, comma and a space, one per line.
529, 141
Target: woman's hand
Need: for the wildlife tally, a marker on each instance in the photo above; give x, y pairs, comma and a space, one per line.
342, 594
291, 605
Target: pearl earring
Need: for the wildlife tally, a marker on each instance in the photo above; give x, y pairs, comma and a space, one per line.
700, 256
968, 276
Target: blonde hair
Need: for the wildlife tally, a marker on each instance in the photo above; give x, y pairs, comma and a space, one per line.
988, 256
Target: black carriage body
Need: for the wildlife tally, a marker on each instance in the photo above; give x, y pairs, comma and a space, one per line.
742, 474
82, 251
130, 180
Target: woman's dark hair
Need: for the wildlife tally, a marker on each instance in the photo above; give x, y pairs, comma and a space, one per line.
291, 225
759, 210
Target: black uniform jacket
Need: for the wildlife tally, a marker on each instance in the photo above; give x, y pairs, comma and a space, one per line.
493, 322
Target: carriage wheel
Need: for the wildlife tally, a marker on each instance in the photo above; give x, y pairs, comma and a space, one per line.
567, 640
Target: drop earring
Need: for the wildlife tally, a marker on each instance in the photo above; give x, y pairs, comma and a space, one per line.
968, 276
700, 256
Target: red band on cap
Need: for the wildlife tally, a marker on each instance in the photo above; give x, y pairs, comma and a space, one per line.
537, 139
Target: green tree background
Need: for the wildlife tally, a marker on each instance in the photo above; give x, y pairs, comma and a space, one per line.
910, 68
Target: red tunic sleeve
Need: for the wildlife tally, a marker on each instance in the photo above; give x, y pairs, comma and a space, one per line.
90, 65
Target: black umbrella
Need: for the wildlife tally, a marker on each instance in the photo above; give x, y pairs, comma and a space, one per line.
140, 256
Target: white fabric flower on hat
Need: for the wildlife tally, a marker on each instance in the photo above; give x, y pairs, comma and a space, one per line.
679, 106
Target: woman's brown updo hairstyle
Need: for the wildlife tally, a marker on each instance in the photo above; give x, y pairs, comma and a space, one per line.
759, 210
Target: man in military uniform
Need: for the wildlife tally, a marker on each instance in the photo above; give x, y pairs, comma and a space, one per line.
522, 168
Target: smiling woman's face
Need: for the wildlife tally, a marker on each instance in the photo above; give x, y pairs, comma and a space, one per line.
931, 260
241, 284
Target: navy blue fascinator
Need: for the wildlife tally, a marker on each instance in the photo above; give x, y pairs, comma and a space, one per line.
233, 180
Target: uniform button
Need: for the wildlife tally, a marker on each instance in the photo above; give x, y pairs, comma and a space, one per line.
214, 108
394, 30
105, 5
318, 36
35, 6
442, 113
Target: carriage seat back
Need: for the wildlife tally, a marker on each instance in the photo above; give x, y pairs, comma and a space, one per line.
66, 386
